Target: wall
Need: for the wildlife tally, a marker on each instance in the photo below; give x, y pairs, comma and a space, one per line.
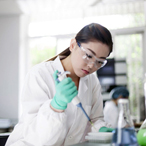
9, 66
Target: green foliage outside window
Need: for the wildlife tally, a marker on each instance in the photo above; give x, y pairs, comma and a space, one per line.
130, 48
42, 49
38, 55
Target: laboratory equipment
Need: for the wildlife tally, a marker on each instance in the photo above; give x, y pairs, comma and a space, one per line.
141, 136
124, 134
75, 100
103, 137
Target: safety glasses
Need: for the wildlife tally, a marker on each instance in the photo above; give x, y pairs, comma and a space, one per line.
90, 58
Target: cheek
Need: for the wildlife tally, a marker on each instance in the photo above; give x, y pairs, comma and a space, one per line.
77, 60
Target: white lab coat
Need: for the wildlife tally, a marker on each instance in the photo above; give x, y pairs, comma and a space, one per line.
111, 113
39, 125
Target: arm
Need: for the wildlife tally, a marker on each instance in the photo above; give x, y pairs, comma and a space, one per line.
97, 106
41, 125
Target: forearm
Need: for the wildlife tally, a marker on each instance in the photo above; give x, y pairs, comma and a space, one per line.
56, 110
46, 127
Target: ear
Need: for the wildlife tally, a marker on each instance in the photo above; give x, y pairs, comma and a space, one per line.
72, 44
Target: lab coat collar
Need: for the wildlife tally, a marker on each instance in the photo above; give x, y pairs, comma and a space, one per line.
58, 64
82, 87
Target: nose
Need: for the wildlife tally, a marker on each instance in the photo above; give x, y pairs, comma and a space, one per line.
91, 65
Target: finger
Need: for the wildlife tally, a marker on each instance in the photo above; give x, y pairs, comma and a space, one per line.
55, 76
68, 98
73, 95
71, 90
69, 86
65, 81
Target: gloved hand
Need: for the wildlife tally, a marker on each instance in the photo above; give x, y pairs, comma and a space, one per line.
105, 129
65, 92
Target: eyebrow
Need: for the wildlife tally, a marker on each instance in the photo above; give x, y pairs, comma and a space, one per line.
92, 51
95, 53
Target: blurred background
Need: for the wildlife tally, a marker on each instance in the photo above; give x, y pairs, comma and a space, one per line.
32, 31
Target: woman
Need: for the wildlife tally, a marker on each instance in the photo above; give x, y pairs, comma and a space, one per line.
111, 112
49, 118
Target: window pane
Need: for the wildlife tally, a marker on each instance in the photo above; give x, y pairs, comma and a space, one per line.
62, 44
41, 49
119, 21
116, 21
130, 48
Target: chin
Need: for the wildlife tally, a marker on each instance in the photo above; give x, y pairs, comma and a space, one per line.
80, 74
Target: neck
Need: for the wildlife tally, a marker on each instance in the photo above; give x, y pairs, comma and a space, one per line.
67, 65
115, 101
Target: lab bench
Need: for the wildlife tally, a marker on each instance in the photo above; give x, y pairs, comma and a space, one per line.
87, 143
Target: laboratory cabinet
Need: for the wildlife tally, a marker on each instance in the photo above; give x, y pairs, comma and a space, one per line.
112, 75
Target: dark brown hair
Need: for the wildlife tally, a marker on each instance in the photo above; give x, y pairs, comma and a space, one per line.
95, 32
91, 32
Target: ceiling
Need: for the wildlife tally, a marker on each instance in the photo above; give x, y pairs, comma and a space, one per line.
62, 9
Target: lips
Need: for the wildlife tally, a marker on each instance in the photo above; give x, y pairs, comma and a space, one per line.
85, 71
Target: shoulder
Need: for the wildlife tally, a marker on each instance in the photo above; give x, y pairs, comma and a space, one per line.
110, 104
42, 69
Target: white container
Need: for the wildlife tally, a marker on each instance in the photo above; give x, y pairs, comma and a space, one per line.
102, 137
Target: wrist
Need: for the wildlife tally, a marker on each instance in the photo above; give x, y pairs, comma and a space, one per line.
56, 105
56, 110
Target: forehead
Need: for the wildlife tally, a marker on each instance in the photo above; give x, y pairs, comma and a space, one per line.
100, 49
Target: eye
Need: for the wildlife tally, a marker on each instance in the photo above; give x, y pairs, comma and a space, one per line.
99, 62
89, 56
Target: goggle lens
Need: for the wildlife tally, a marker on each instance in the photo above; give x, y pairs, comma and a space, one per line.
90, 58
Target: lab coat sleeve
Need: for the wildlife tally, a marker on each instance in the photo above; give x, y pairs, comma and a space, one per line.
40, 125
97, 106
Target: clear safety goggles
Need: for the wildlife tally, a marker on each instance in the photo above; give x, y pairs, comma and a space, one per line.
90, 58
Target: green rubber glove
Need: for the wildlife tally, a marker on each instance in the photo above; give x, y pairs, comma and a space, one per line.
65, 92
105, 129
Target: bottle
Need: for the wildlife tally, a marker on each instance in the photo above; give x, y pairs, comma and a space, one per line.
141, 136
124, 134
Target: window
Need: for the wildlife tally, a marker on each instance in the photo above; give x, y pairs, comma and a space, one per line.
41, 49
130, 48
